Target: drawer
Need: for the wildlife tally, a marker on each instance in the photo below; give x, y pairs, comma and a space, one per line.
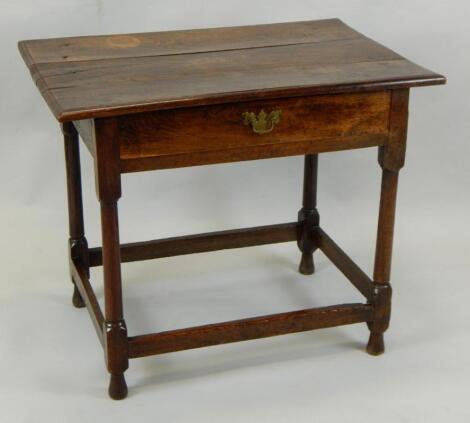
254, 129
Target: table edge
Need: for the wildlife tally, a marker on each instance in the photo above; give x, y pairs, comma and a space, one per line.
241, 96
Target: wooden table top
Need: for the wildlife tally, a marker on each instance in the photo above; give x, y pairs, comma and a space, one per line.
98, 76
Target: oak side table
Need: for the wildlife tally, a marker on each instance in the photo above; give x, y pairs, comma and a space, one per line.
164, 100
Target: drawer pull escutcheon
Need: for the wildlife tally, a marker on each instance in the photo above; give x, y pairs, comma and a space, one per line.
263, 123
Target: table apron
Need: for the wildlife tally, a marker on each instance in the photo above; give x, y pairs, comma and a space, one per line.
222, 133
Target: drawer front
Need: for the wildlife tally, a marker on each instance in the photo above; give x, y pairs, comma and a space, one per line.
242, 126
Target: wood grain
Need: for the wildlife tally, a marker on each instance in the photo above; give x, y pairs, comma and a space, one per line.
244, 329
256, 152
308, 216
201, 243
194, 129
165, 43
89, 77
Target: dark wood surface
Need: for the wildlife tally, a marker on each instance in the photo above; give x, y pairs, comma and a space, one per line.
221, 127
255, 152
308, 215
201, 243
195, 135
89, 77
108, 190
251, 328
78, 244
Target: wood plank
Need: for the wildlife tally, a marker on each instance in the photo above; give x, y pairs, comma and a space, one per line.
255, 67
88, 295
342, 261
245, 329
72, 49
213, 241
252, 153
218, 127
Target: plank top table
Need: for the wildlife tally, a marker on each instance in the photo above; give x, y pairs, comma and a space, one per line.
183, 98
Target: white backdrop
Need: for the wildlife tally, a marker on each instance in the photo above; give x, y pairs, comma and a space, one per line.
51, 366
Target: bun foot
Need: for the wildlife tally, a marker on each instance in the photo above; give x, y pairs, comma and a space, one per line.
117, 387
376, 345
306, 266
77, 299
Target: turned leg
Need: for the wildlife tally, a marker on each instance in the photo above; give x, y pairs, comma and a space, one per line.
114, 326
391, 159
383, 258
308, 215
108, 185
78, 246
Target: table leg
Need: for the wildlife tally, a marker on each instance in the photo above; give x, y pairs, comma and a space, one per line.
108, 186
78, 246
391, 159
115, 327
308, 216
383, 258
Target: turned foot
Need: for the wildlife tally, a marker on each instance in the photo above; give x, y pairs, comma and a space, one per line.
376, 345
117, 387
306, 266
77, 299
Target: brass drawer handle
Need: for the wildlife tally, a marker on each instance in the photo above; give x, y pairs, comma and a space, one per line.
263, 123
